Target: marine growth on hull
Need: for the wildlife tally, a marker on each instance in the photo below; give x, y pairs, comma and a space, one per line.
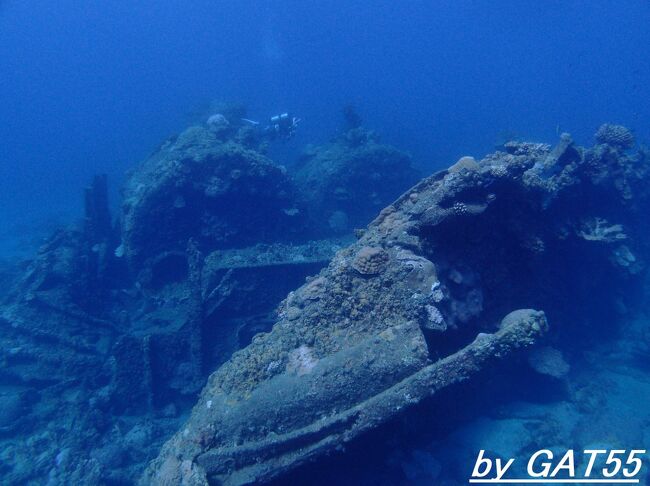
241, 322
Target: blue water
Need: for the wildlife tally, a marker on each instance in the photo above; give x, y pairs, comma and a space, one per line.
96, 87
90, 87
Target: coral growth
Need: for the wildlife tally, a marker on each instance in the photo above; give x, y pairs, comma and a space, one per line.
615, 135
221, 193
370, 260
215, 235
301, 361
348, 181
464, 163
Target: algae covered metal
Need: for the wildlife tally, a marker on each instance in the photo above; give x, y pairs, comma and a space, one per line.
417, 304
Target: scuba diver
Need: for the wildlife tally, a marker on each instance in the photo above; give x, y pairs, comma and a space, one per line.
282, 126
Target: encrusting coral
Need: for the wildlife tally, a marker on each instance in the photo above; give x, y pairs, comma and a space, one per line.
370, 260
615, 135
452, 253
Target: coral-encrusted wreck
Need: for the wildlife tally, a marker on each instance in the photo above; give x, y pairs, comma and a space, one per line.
440, 285
347, 182
115, 326
213, 187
